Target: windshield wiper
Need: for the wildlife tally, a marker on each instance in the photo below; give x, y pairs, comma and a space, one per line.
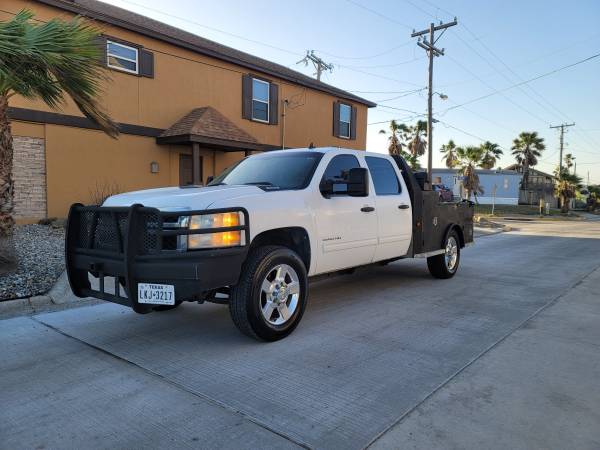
260, 183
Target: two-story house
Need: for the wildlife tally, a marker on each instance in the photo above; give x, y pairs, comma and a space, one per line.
188, 108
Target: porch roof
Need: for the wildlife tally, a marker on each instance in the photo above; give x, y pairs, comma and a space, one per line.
209, 128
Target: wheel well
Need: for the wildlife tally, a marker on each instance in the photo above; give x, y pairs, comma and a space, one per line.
459, 231
294, 238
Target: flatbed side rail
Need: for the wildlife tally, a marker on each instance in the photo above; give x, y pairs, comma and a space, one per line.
110, 241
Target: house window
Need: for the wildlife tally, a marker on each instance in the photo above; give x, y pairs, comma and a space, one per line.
122, 57
260, 100
345, 120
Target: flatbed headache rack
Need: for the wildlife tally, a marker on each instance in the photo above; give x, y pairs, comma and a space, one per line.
432, 219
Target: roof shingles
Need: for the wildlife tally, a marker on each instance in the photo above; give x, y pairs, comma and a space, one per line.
210, 123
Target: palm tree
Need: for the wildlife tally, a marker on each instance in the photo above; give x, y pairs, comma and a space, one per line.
418, 143
400, 138
569, 161
527, 148
566, 188
468, 159
44, 61
491, 154
449, 152
397, 136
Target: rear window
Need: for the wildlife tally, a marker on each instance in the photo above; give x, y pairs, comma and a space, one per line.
384, 177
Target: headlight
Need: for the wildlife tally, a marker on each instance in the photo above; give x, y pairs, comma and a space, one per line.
220, 239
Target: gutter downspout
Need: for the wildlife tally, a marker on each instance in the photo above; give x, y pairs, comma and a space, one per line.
283, 114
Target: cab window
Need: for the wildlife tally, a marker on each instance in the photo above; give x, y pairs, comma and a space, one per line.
339, 169
384, 176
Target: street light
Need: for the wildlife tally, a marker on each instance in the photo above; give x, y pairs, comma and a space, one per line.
442, 96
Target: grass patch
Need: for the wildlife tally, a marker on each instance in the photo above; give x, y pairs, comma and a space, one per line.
509, 210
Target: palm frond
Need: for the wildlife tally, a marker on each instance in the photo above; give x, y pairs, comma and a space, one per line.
50, 59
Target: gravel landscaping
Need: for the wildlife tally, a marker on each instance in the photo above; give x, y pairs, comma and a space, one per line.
40, 250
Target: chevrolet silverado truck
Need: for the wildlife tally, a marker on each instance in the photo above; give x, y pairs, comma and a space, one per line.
259, 231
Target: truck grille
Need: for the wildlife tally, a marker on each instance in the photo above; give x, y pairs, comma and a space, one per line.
106, 231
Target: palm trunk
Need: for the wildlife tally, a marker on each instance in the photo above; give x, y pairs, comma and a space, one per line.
7, 223
526, 174
564, 207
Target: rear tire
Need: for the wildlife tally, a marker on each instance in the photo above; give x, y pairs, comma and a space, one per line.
269, 300
445, 266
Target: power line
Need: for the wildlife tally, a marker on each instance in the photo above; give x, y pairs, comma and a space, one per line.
320, 65
237, 36
432, 51
589, 58
382, 66
415, 91
376, 55
378, 14
510, 69
562, 142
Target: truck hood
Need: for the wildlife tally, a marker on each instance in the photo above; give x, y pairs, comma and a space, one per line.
182, 198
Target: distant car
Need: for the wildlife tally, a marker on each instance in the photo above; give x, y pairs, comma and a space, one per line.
445, 193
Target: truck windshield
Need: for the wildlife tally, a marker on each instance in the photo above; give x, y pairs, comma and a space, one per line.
280, 171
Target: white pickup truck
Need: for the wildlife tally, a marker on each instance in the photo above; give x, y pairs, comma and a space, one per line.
255, 235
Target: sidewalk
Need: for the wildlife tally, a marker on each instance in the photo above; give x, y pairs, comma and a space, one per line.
538, 388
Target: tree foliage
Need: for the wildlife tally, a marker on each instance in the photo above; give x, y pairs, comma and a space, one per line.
407, 141
491, 152
449, 151
527, 148
468, 159
47, 61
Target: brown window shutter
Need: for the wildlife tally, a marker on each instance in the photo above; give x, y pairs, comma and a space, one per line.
336, 118
273, 104
146, 63
101, 41
247, 96
353, 124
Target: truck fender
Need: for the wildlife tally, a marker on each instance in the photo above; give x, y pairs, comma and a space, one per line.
459, 231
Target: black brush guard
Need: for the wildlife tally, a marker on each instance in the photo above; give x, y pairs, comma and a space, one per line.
132, 245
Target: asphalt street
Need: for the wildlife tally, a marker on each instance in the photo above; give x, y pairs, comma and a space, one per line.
504, 355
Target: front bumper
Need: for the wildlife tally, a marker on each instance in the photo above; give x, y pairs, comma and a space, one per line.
131, 245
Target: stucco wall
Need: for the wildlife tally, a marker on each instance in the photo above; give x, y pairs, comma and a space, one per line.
185, 80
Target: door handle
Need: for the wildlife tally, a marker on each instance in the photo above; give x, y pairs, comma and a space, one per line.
367, 209
403, 206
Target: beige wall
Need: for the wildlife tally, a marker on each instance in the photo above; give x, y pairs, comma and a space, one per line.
80, 160
185, 80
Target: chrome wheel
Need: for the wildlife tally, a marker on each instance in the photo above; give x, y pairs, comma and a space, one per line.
451, 255
279, 295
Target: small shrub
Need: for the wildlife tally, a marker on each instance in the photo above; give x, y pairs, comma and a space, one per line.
101, 191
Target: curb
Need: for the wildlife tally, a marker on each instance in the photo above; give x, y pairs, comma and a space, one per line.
58, 297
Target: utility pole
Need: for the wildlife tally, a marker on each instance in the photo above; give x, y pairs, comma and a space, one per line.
562, 144
429, 47
320, 65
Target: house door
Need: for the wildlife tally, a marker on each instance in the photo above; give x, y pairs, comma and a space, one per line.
186, 169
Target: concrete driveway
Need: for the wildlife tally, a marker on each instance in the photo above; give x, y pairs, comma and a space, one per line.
505, 354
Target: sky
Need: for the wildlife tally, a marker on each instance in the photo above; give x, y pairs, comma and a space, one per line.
495, 46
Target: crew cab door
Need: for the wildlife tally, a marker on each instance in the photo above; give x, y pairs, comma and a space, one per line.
394, 209
346, 226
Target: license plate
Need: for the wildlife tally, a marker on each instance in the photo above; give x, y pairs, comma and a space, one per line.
156, 294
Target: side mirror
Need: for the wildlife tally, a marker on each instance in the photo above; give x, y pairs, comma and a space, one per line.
357, 184
209, 179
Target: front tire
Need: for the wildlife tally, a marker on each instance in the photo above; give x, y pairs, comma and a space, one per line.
445, 266
269, 300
